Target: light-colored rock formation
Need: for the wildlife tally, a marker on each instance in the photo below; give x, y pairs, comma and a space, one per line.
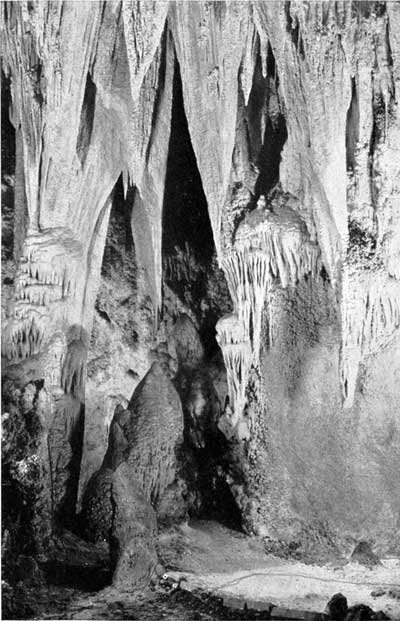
293, 115
147, 435
138, 479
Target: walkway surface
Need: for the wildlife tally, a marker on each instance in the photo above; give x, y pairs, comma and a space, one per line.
206, 559
236, 569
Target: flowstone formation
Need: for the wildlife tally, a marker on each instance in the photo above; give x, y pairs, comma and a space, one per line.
147, 436
269, 244
180, 176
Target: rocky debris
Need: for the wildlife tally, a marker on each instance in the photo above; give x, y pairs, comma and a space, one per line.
337, 607
361, 612
393, 592
338, 610
378, 593
245, 608
364, 555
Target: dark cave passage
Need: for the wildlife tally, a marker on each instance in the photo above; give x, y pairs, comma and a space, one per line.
266, 124
7, 171
119, 240
185, 215
352, 128
190, 270
189, 257
86, 120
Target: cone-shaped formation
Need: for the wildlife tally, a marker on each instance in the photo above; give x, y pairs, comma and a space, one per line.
148, 433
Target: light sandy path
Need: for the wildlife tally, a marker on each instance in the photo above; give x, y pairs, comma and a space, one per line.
245, 572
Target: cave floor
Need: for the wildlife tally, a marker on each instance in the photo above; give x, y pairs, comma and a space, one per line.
235, 568
211, 572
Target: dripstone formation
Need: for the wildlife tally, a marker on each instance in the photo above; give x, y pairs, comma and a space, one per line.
201, 272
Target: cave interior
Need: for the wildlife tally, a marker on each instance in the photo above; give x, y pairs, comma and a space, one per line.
200, 310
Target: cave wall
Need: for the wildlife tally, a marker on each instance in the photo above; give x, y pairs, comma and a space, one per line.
294, 102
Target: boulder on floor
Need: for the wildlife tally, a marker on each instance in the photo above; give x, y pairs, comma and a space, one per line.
364, 555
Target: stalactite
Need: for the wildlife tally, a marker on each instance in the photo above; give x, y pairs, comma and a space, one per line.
73, 373
271, 245
23, 337
45, 279
370, 316
211, 46
237, 353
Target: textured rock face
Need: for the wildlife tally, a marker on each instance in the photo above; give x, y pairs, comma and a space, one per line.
116, 511
147, 435
292, 112
139, 472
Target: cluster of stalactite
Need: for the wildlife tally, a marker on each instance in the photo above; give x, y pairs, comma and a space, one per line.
271, 246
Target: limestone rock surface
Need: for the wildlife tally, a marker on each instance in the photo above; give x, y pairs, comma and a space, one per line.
115, 510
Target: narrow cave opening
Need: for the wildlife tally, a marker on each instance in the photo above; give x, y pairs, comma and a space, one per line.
352, 127
185, 215
119, 240
190, 270
7, 171
189, 256
118, 306
86, 119
266, 124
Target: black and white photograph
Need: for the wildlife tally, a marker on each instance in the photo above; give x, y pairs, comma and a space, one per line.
200, 310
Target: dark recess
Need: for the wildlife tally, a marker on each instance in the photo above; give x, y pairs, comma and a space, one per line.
352, 127
185, 215
7, 129
293, 28
187, 231
7, 169
186, 224
86, 120
267, 155
119, 242
366, 8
